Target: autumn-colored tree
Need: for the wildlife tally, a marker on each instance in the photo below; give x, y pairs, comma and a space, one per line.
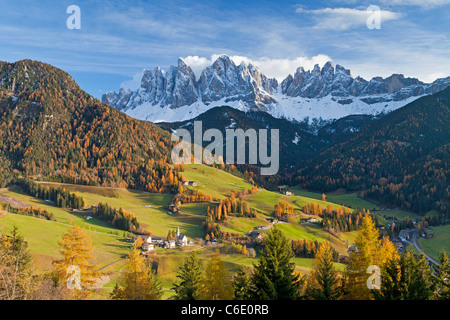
216, 284
283, 209
141, 282
138, 243
442, 280
16, 280
75, 268
323, 281
370, 251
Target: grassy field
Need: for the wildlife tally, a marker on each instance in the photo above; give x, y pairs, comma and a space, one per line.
349, 236
265, 201
397, 213
440, 240
242, 225
313, 232
352, 200
61, 215
151, 212
43, 236
214, 181
150, 209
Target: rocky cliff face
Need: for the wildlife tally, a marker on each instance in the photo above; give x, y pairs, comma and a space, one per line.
223, 79
339, 82
177, 87
247, 88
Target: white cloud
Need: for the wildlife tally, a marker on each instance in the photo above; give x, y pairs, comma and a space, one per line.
345, 18
426, 4
272, 68
197, 64
134, 83
418, 3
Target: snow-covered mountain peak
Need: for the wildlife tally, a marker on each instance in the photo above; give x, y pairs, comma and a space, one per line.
326, 93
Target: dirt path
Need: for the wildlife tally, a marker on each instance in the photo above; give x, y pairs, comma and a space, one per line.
3, 213
110, 264
13, 202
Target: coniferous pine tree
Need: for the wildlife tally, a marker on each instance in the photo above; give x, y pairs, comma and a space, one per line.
406, 278
323, 281
17, 280
442, 278
241, 284
190, 277
273, 277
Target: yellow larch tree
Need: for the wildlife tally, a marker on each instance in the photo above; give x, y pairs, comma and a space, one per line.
75, 268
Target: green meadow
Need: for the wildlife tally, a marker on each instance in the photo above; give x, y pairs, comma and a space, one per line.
151, 211
43, 236
215, 182
353, 201
440, 240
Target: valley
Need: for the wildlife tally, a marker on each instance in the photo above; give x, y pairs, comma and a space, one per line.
152, 213
73, 166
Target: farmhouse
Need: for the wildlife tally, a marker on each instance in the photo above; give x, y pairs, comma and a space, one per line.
283, 190
170, 244
190, 183
255, 235
156, 240
404, 234
147, 246
352, 249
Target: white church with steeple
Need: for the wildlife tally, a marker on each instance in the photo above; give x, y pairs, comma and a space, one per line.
181, 240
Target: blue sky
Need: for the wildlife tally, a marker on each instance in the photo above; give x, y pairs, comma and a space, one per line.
118, 39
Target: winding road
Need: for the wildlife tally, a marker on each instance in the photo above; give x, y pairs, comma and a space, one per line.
414, 236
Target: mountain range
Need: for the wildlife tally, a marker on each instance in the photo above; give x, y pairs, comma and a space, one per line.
318, 95
51, 129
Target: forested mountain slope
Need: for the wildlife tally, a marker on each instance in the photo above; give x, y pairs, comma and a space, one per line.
401, 158
51, 128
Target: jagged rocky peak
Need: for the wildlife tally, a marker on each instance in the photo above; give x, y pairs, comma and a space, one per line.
318, 82
225, 79
339, 82
178, 94
219, 80
153, 82
179, 87
327, 72
184, 90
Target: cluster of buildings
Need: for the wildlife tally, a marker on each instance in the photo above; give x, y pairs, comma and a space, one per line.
151, 242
